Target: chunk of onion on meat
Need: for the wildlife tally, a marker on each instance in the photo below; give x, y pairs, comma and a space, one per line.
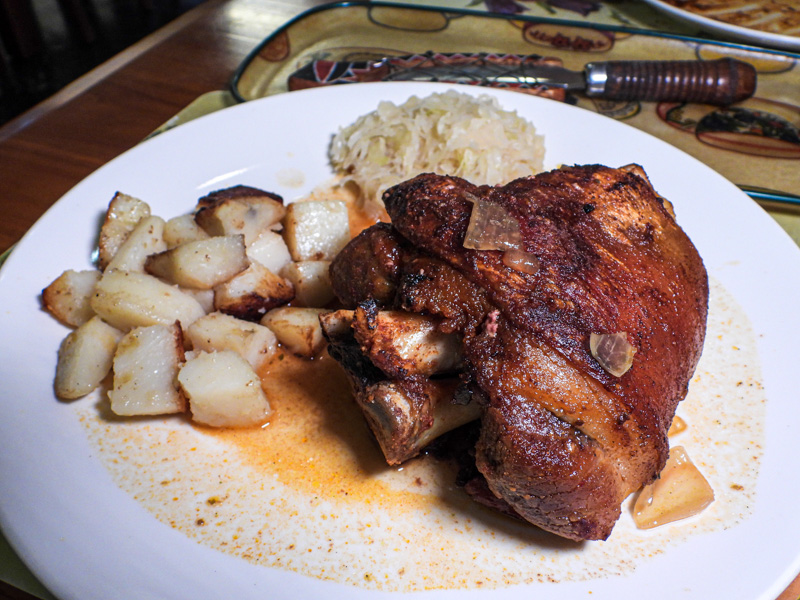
613, 351
491, 227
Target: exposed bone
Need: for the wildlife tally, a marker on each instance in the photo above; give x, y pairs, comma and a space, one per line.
402, 343
397, 418
390, 374
399, 343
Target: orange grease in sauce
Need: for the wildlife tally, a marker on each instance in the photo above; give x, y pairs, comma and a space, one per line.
317, 440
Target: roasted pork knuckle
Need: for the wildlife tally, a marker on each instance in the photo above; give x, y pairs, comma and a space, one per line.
455, 334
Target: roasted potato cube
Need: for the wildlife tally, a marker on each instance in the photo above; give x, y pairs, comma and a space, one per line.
201, 264
204, 297
241, 209
223, 390
146, 366
316, 229
146, 238
218, 331
84, 358
182, 229
311, 281
297, 329
251, 293
67, 298
126, 300
244, 193
123, 213
270, 250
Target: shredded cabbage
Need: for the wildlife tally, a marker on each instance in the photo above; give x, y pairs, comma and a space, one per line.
448, 133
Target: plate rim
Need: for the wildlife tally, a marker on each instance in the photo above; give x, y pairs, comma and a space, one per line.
753, 36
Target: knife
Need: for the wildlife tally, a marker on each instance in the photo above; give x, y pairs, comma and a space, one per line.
722, 82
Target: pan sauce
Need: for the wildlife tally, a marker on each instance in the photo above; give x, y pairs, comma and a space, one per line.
310, 492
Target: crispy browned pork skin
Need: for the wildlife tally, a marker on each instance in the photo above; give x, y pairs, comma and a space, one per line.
562, 442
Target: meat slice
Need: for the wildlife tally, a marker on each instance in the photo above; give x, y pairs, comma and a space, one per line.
562, 442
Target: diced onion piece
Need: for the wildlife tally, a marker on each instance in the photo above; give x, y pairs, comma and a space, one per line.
680, 492
522, 261
491, 228
612, 351
678, 426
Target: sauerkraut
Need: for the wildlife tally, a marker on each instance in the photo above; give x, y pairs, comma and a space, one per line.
448, 133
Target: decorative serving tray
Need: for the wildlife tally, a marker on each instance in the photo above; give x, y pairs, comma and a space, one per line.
755, 143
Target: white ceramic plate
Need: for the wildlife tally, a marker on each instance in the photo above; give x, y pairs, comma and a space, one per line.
726, 30
67, 503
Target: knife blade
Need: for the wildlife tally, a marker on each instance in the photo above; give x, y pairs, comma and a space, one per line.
721, 82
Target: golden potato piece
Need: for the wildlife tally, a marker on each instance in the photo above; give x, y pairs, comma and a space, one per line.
146, 238
270, 250
297, 329
204, 297
146, 365
201, 264
126, 300
68, 297
181, 229
311, 281
240, 210
123, 213
251, 293
223, 390
84, 358
316, 229
218, 331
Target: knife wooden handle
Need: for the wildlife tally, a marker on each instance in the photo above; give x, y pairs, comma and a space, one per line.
722, 81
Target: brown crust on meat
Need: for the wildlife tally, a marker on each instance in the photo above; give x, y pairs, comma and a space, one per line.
368, 268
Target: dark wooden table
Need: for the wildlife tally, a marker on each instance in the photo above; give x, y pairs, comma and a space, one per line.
49, 149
